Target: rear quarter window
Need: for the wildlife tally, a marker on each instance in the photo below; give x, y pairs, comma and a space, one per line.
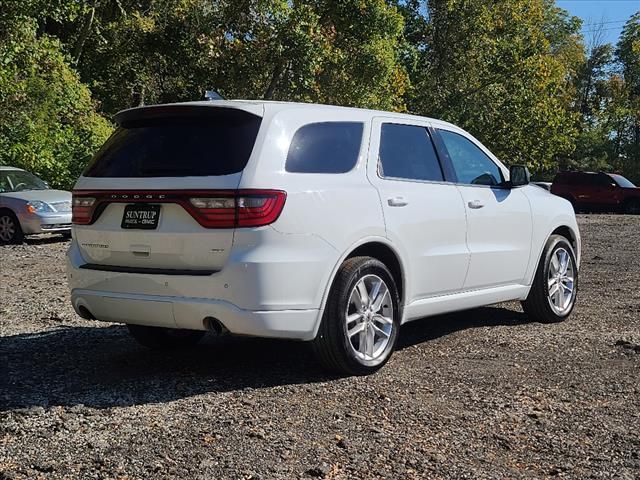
325, 147
210, 142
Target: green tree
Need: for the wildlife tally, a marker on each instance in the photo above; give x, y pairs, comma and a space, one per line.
499, 70
321, 51
48, 122
628, 133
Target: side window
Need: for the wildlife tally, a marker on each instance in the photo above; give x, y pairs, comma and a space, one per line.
327, 147
406, 151
605, 180
472, 165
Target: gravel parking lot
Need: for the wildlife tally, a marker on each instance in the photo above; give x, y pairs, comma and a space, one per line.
478, 394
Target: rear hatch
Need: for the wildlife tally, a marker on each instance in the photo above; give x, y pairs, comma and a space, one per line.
161, 195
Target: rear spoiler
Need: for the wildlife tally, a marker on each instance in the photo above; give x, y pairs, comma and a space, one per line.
203, 110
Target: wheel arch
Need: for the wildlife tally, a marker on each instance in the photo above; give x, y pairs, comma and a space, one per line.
12, 213
629, 201
7, 209
379, 248
568, 232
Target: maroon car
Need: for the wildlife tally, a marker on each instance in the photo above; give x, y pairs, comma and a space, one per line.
597, 191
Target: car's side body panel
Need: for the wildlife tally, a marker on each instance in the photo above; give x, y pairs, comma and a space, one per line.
498, 236
550, 213
425, 220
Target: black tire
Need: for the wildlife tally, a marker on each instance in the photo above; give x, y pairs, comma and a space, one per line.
158, 338
632, 207
332, 346
13, 234
538, 305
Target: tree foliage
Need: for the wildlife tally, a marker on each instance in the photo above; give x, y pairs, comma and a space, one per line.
515, 73
496, 69
48, 122
317, 51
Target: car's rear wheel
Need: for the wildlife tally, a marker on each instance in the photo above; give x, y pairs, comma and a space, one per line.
158, 338
360, 325
10, 231
632, 207
555, 286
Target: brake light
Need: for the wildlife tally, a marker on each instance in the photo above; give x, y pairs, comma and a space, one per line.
82, 209
259, 209
210, 208
246, 208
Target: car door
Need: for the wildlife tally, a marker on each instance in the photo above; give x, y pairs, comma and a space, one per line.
424, 215
499, 221
604, 191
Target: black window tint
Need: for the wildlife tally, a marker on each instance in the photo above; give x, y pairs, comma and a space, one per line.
605, 180
327, 147
472, 165
217, 143
406, 151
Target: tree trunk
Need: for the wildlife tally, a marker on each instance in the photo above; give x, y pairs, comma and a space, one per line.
84, 33
275, 80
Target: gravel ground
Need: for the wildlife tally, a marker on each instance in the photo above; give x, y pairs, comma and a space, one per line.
479, 394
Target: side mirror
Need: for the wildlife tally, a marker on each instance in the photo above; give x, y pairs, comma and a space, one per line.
519, 175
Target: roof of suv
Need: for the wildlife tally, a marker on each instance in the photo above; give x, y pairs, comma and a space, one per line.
262, 107
6, 167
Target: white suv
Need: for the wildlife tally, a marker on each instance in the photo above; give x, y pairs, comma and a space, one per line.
311, 222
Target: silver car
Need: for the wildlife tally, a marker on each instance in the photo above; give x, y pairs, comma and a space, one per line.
28, 206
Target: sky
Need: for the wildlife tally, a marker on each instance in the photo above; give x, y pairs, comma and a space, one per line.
612, 13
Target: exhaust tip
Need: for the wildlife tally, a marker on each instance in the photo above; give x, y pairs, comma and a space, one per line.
214, 325
85, 313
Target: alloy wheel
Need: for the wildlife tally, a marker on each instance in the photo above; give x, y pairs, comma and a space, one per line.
7, 228
369, 318
561, 281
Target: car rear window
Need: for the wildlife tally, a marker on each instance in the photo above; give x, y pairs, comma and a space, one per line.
215, 141
325, 147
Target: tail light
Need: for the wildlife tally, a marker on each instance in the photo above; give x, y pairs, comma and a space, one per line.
82, 209
210, 208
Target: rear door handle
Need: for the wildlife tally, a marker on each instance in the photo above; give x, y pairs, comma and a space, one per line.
475, 204
397, 201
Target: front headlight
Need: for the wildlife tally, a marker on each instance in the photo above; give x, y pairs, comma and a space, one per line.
36, 206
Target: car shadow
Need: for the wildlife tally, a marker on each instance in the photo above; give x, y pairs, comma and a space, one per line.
46, 239
435, 327
103, 367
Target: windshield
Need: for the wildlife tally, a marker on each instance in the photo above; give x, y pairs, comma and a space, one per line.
621, 181
19, 180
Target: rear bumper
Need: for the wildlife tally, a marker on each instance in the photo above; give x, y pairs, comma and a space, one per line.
273, 289
192, 313
45, 223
